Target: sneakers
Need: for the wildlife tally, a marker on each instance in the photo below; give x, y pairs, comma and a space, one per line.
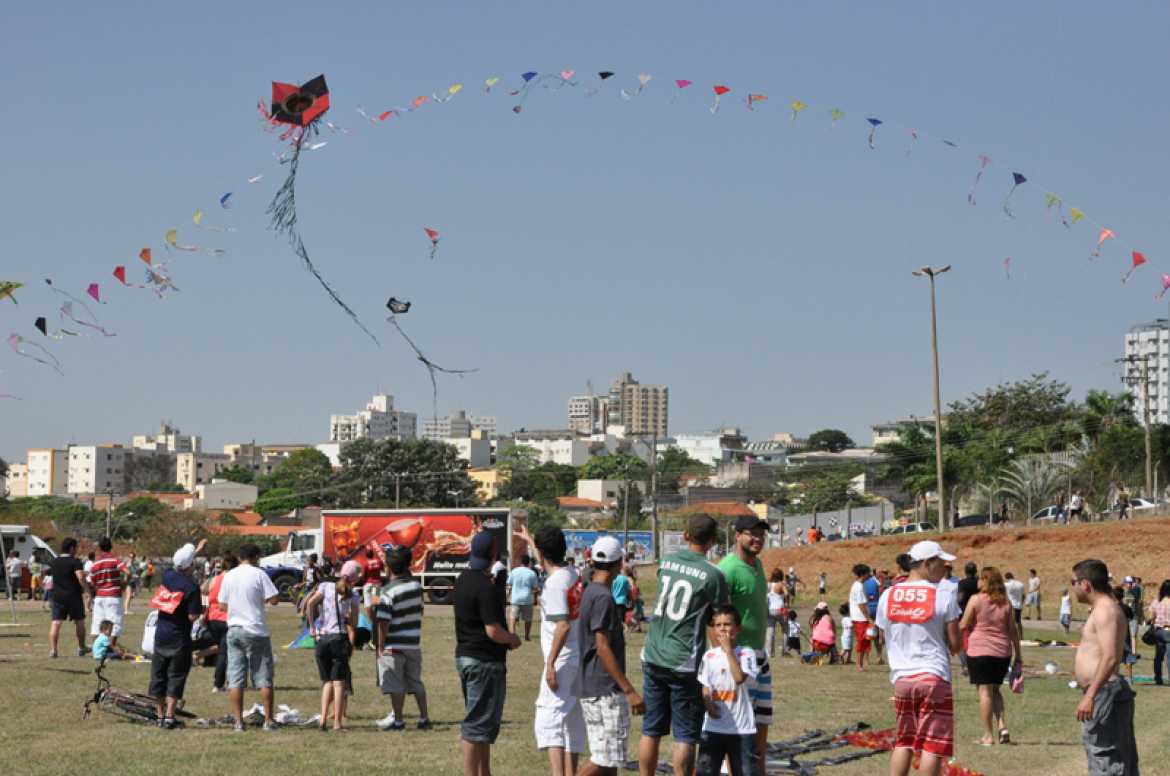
389, 723
218, 689
239, 728
53, 654
270, 726
168, 723
83, 652
424, 724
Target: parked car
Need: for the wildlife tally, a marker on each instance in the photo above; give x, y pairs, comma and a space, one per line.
910, 528
971, 521
1138, 504
1047, 514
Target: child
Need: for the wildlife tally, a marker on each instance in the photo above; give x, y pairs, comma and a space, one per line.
823, 633
729, 727
777, 618
846, 634
1065, 609
792, 643
102, 651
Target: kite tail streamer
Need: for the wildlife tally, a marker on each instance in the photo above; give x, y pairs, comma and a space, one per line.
1007, 267
283, 210
15, 341
431, 366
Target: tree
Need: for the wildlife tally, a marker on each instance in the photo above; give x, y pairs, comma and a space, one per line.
622, 466
541, 516
306, 472
1035, 403
674, 464
1104, 411
149, 472
518, 458
825, 490
831, 440
279, 501
542, 484
1032, 481
420, 473
129, 517
237, 474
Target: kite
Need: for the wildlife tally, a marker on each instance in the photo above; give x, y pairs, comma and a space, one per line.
719, 92
836, 115
752, 99
1075, 214
489, 83
984, 160
120, 274
431, 366
92, 291
8, 290
913, 140
1017, 179
797, 106
1138, 259
67, 312
523, 90
256, 178
1052, 200
1165, 286
197, 219
95, 292
15, 341
452, 90
300, 107
643, 79
159, 280
950, 143
433, 234
1102, 237
223, 201
679, 85
873, 125
1007, 267
172, 240
603, 76
42, 326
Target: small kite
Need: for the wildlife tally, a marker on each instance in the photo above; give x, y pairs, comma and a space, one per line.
256, 178
431, 366
1017, 180
197, 219
797, 106
913, 141
1137, 259
752, 99
397, 307
452, 90
1007, 267
172, 240
950, 143
16, 342
433, 234
602, 77
1165, 286
1051, 200
67, 312
301, 108
523, 91
120, 274
1075, 214
984, 160
719, 92
8, 290
643, 79
873, 125
1105, 234
489, 83
679, 85
42, 326
159, 281
223, 201
95, 291
836, 115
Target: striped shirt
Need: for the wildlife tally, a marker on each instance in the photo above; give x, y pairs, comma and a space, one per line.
106, 574
400, 605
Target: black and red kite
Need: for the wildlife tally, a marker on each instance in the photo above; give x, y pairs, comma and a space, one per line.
300, 105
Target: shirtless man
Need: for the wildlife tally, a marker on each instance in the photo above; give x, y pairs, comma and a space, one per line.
1106, 710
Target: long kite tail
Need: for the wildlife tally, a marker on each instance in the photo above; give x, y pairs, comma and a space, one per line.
431, 366
283, 211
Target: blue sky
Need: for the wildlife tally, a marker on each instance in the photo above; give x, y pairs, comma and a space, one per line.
760, 267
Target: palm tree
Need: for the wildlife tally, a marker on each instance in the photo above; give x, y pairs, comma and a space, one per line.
1032, 480
1104, 410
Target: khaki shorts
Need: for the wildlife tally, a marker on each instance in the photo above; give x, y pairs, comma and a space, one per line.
401, 672
520, 612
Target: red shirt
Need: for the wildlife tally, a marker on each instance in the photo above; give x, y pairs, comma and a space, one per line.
373, 568
214, 611
106, 574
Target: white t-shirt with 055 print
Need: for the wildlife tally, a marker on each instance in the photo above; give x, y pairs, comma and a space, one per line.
914, 617
732, 700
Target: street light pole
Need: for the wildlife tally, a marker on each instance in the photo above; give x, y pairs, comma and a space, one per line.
931, 272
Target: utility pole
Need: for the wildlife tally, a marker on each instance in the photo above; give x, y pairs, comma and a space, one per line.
397, 489
626, 519
109, 510
931, 272
654, 496
1131, 378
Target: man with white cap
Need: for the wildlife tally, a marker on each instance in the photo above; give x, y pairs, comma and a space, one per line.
607, 695
920, 619
179, 603
243, 593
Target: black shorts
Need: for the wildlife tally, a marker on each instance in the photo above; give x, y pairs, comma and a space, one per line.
69, 609
985, 669
333, 658
168, 671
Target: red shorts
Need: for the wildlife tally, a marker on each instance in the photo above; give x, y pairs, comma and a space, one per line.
820, 646
926, 715
861, 641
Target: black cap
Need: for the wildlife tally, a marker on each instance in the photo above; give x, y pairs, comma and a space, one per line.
745, 523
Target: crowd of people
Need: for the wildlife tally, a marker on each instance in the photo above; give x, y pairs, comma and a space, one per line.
706, 662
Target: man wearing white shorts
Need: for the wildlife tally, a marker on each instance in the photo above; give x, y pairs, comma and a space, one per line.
560, 724
109, 576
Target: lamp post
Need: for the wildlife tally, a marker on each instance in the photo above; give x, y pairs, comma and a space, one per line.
931, 272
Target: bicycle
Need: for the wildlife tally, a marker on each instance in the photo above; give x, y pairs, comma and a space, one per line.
133, 706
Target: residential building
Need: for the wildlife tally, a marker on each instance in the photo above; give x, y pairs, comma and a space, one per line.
48, 472
332, 451
771, 453
476, 450
588, 414
169, 440
1150, 341
192, 469
582, 512
711, 447
891, 431
606, 492
378, 421
455, 425
16, 485
488, 482
640, 409
484, 423
98, 469
258, 459
222, 494
555, 446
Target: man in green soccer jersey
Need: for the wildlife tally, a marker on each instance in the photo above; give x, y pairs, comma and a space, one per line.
688, 588
749, 595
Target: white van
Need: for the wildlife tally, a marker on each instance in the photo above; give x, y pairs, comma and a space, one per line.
28, 547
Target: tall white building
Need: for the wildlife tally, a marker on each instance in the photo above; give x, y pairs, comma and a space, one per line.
193, 469
458, 425
1152, 341
97, 469
48, 472
589, 414
378, 421
168, 440
640, 409
555, 446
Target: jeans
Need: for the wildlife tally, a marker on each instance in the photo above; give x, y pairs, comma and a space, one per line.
1161, 653
219, 633
484, 685
674, 704
740, 751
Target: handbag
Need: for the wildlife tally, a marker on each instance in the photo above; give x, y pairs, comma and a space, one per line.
166, 600
1150, 637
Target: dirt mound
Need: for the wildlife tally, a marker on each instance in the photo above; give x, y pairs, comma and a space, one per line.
1134, 547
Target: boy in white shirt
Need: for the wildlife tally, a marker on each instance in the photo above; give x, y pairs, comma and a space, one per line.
846, 634
792, 643
1065, 609
729, 727
777, 620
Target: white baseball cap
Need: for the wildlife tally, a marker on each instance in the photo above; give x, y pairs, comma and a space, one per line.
184, 557
927, 550
1129, 579
607, 549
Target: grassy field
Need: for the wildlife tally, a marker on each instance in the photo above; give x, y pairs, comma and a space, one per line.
42, 727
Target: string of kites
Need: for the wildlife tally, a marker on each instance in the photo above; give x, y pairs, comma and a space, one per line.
297, 112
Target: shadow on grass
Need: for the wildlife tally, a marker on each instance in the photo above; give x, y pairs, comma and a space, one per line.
77, 671
15, 635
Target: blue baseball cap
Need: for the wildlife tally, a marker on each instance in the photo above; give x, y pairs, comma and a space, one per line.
483, 551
